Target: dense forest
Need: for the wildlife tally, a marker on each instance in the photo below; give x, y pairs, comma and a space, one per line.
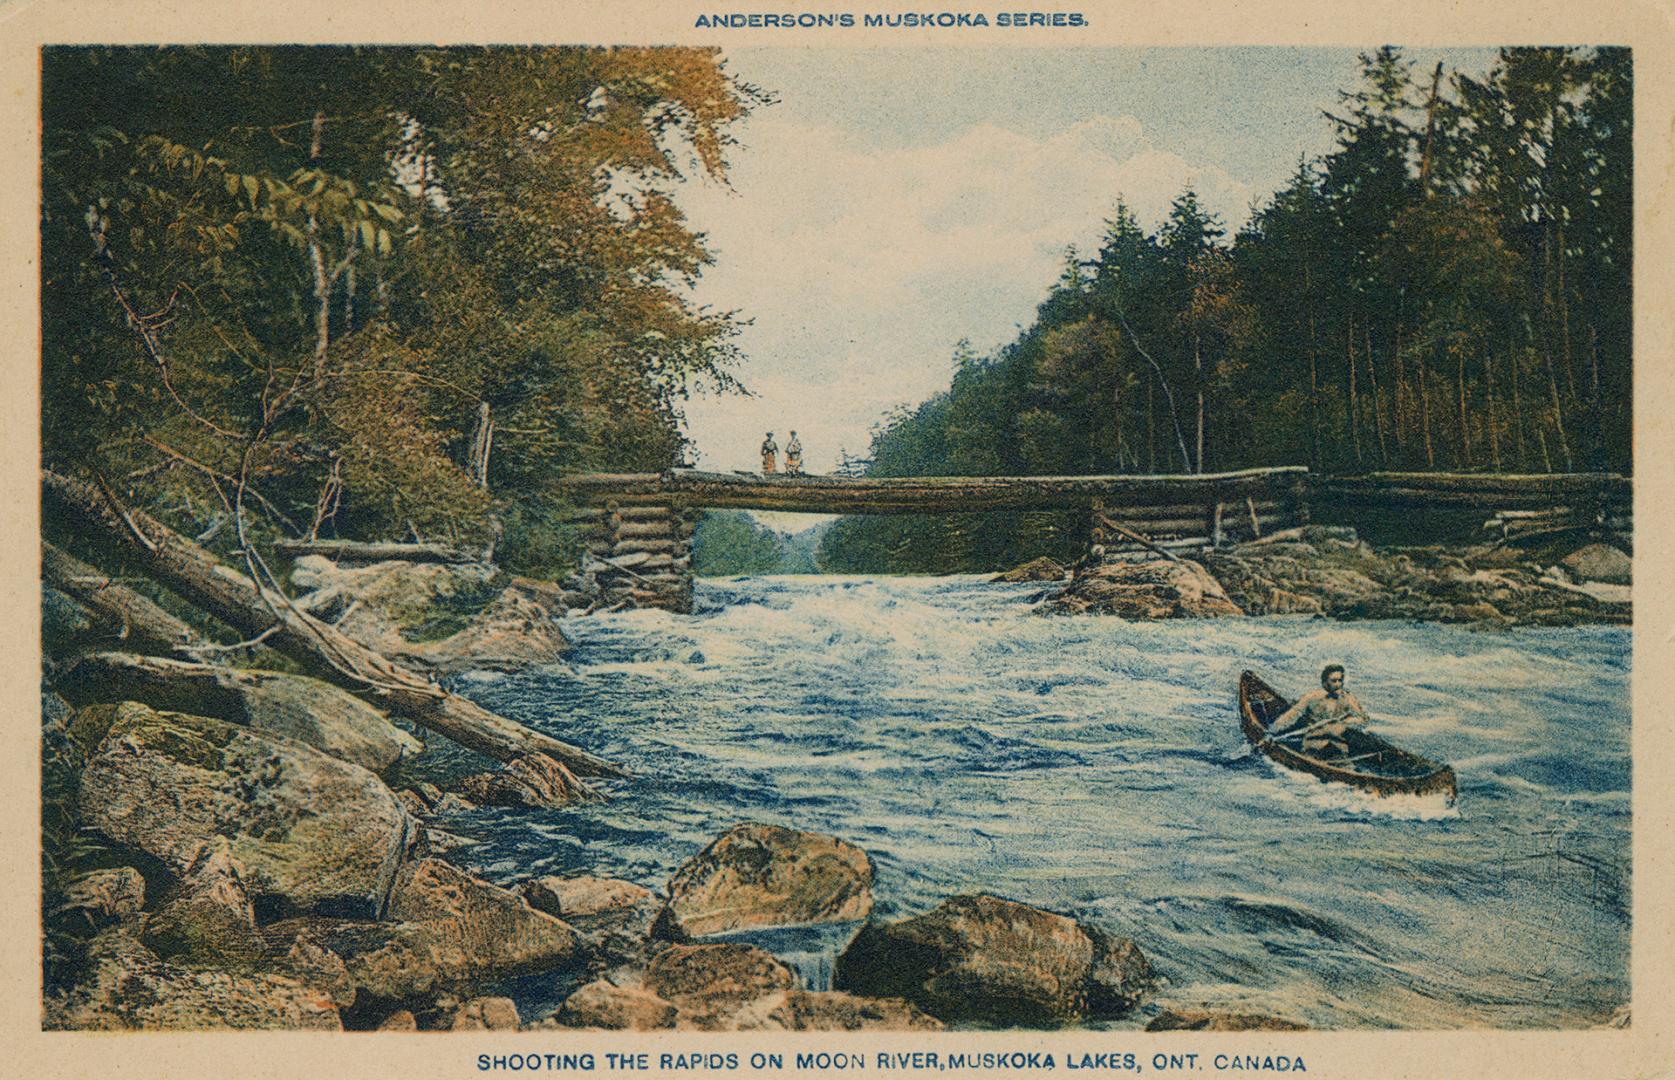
374, 292
1448, 288
731, 542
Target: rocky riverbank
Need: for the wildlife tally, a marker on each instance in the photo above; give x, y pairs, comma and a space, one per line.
236, 847
245, 878
1329, 571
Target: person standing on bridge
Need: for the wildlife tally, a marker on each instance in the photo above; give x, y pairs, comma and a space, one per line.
770, 455
793, 456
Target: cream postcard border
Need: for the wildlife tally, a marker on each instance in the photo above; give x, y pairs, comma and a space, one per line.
1646, 1049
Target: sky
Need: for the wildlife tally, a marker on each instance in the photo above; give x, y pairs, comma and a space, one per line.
894, 201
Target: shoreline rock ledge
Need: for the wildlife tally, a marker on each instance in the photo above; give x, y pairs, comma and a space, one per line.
992, 961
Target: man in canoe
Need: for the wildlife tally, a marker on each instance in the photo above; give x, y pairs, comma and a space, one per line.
1320, 717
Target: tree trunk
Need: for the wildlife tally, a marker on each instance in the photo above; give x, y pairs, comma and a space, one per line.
317, 262
1372, 380
349, 300
1558, 412
1426, 158
1518, 414
1425, 413
1151, 427
1354, 402
361, 551
1547, 350
1489, 407
482, 442
1564, 322
1198, 372
198, 577
143, 626
1465, 421
1401, 419
1314, 378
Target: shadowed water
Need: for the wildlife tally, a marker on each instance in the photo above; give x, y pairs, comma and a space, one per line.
1095, 767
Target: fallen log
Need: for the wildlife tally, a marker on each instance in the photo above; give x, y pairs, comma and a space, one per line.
199, 578
646, 530
650, 547
144, 626
681, 489
1118, 528
364, 551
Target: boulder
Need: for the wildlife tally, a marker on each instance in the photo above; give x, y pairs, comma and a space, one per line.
307, 710
103, 897
518, 629
123, 986
445, 929
396, 608
1042, 569
530, 780
614, 918
1211, 1020
312, 833
994, 961
802, 1010
602, 1004
765, 875
209, 921
710, 983
479, 929
481, 1014
67, 626
1600, 562
400, 1020
1144, 590
311, 962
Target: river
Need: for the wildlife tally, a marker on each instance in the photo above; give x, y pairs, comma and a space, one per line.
1095, 767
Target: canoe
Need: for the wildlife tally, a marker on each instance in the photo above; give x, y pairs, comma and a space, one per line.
1371, 763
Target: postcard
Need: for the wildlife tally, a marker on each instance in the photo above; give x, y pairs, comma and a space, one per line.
838, 540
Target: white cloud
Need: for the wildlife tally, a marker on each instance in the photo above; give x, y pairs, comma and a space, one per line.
862, 267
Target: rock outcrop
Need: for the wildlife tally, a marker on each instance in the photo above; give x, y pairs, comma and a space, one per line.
614, 918
1602, 563
998, 962
604, 1005
1042, 569
317, 713
209, 921
1212, 1020
1328, 571
445, 930
311, 833
532, 780
1143, 590
124, 986
102, 898
709, 984
448, 618
802, 1010
758, 875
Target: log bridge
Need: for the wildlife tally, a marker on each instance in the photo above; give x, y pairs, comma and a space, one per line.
638, 526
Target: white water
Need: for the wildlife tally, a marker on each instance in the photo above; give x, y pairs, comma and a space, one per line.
1095, 767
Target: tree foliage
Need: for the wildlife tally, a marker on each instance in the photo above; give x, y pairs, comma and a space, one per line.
1447, 288
378, 291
